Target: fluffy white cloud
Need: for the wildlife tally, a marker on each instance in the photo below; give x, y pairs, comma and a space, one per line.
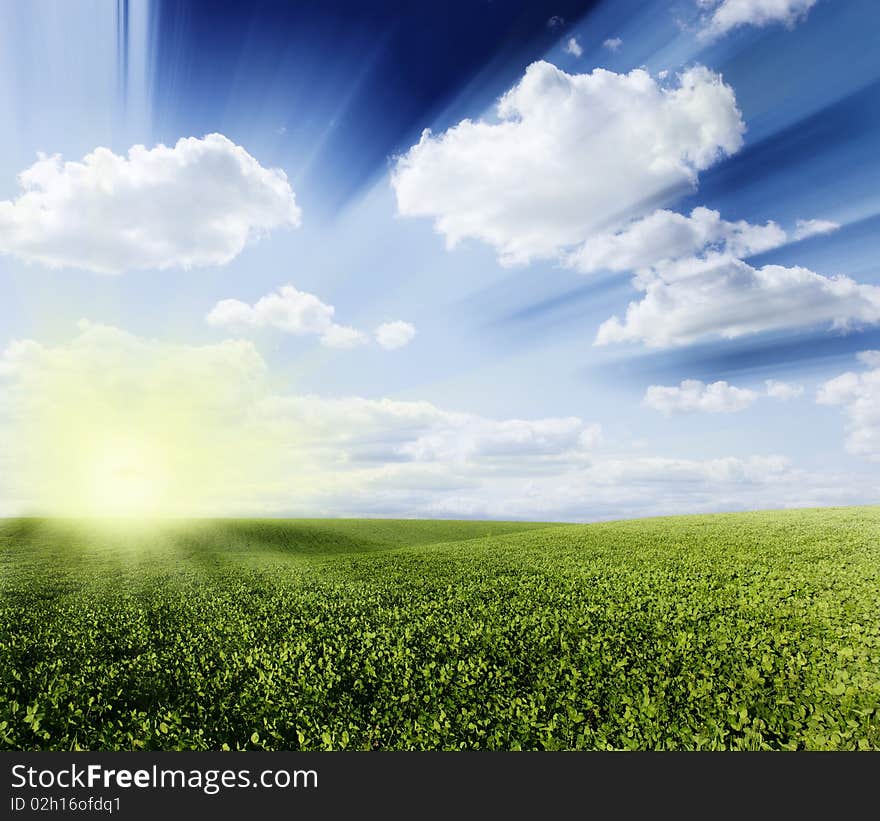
859, 395
573, 47
665, 235
725, 15
613, 43
720, 296
783, 390
694, 395
288, 310
571, 155
393, 335
197, 203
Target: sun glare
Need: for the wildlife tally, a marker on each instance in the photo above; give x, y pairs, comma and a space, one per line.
124, 476
113, 426
126, 429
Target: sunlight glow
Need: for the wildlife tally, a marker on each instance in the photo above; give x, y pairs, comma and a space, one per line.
124, 476
116, 426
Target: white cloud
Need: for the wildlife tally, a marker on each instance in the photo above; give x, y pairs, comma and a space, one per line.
414, 459
223, 442
869, 358
555, 22
841, 390
197, 203
859, 395
694, 395
783, 390
393, 335
651, 469
384, 430
665, 235
343, 337
105, 356
812, 228
292, 311
697, 285
607, 488
288, 310
571, 155
725, 15
573, 47
613, 44
723, 297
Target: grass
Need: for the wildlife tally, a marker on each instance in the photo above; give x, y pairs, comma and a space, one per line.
735, 631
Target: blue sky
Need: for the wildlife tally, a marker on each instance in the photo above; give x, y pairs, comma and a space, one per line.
704, 172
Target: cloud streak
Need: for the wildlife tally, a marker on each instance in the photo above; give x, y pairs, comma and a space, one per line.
723, 297
666, 236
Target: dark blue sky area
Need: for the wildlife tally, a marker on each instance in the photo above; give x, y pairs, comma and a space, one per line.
363, 74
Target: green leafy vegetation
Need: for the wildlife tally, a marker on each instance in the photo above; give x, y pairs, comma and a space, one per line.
742, 631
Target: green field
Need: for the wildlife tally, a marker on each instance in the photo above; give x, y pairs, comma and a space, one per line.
758, 630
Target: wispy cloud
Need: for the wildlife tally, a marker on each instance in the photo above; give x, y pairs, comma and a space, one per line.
723, 16
573, 47
720, 296
812, 228
394, 335
785, 391
777, 389
666, 236
692, 395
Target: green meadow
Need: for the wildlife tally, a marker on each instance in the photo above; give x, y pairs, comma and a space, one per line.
734, 631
